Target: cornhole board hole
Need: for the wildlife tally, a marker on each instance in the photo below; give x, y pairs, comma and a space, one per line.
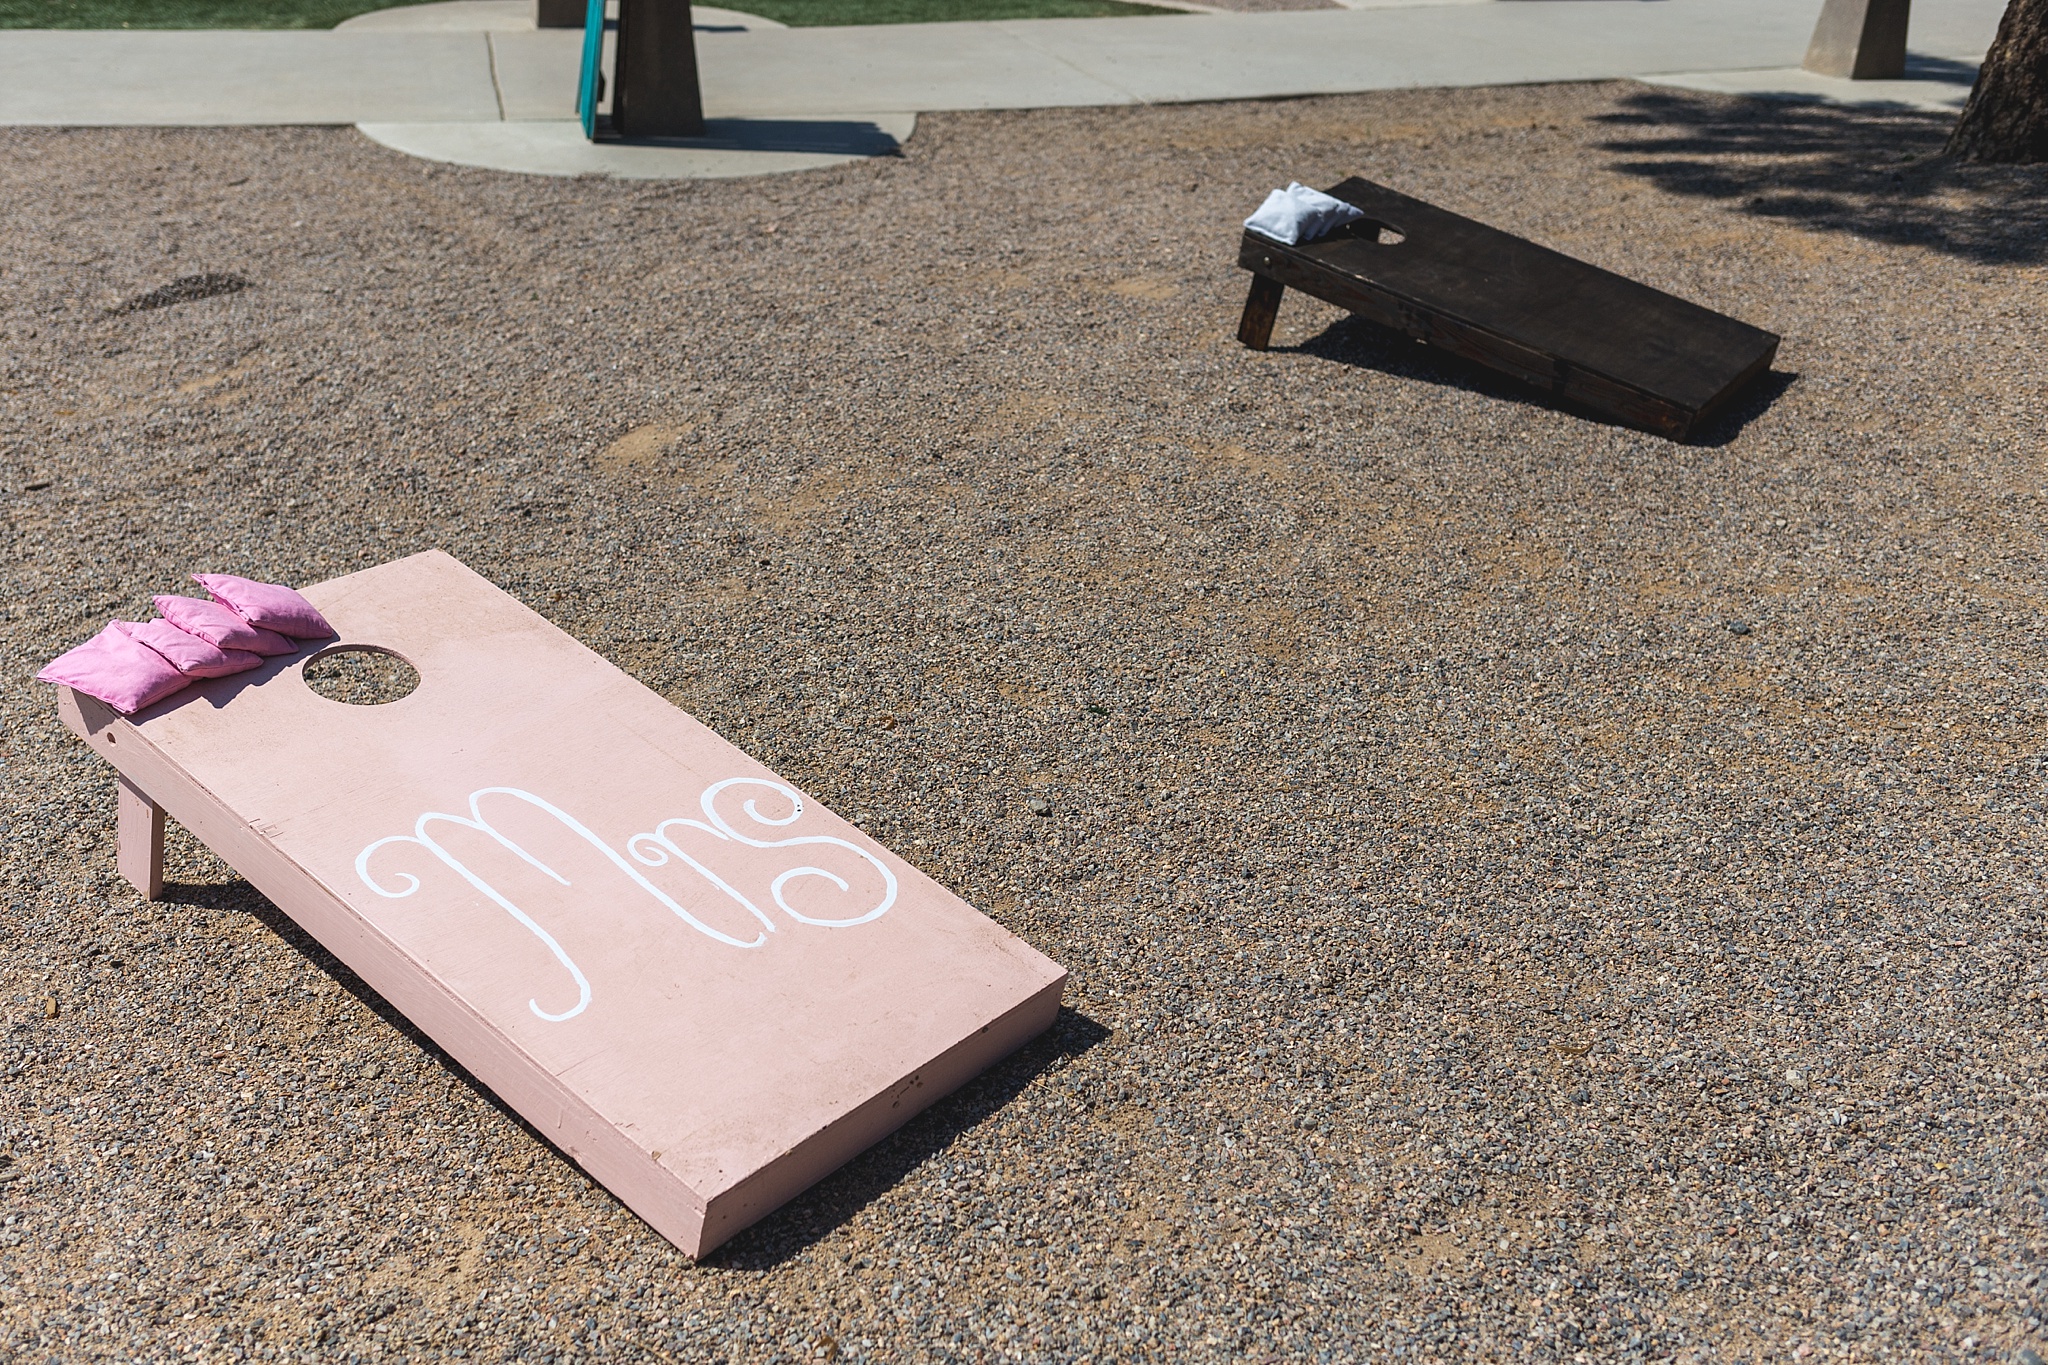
1583, 334
697, 981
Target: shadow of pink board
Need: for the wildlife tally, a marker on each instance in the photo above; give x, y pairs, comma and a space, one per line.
700, 983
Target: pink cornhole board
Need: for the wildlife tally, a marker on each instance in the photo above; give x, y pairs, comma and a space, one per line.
697, 981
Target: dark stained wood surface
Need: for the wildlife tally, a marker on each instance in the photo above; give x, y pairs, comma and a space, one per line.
1261, 310
1585, 334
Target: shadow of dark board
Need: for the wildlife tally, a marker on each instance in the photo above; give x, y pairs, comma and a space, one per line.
1584, 335
1369, 346
1874, 173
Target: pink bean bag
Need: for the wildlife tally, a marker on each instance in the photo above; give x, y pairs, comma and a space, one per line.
269, 605
220, 626
118, 669
190, 655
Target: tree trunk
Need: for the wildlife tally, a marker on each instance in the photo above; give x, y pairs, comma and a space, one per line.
2007, 116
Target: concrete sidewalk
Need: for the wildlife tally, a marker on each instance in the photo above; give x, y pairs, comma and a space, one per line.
367, 75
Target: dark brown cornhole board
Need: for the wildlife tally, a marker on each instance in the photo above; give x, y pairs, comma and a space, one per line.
1581, 333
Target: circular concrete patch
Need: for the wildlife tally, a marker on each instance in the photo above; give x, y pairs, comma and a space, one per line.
731, 146
517, 16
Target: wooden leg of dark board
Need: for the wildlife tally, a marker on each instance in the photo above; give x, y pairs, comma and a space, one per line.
1261, 307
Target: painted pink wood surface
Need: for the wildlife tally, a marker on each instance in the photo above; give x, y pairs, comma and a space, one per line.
139, 830
703, 985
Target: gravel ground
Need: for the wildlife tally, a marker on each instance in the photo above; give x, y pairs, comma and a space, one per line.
1534, 890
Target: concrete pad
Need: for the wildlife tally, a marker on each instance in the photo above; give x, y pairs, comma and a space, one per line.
204, 78
814, 72
712, 19
1405, 4
447, 16
898, 66
1796, 83
732, 147
403, 76
1960, 30
1047, 62
1336, 51
536, 70
517, 16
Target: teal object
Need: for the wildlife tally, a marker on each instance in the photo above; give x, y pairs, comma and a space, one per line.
589, 88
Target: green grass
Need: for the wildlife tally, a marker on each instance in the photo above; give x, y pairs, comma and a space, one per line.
328, 13
181, 13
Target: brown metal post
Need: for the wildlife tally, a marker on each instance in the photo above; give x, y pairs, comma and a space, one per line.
559, 13
654, 82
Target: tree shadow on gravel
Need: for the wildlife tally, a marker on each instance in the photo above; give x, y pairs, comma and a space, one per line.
1369, 346
802, 1222
1873, 172
814, 1214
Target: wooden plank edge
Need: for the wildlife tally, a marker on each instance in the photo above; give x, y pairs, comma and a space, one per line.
1721, 401
848, 1136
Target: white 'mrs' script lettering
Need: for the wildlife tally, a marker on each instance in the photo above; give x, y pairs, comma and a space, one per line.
656, 848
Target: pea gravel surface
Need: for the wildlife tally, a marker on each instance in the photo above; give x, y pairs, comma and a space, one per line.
1534, 891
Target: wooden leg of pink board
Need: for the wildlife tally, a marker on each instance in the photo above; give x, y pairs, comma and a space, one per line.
139, 825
